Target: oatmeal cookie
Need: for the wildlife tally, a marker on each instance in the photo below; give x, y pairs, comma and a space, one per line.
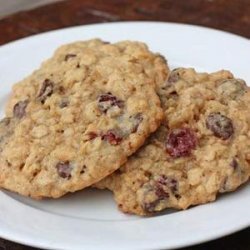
201, 149
77, 118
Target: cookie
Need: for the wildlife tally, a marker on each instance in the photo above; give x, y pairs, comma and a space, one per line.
78, 118
201, 149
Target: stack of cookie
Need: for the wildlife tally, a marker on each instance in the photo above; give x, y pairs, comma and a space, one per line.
113, 116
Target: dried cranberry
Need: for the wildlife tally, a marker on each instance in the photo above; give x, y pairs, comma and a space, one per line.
180, 142
46, 90
19, 109
112, 137
168, 181
106, 101
68, 56
64, 169
161, 193
162, 180
153, 194
220, 125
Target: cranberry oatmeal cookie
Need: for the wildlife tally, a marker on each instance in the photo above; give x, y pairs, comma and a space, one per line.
201, 149
77, 119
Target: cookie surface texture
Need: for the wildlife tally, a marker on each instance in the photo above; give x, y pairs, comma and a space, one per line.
77, 118
201, 149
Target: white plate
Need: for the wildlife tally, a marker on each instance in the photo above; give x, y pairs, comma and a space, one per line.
89, 219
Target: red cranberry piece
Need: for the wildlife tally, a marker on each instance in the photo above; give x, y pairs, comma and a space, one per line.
19, 109
112, 137
161, 193
46, 90
220, 125
158, 191
168, 181
106, 101
153, 194
64, 169
180, 142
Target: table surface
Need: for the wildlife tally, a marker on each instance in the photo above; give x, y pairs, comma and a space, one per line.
228, 15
